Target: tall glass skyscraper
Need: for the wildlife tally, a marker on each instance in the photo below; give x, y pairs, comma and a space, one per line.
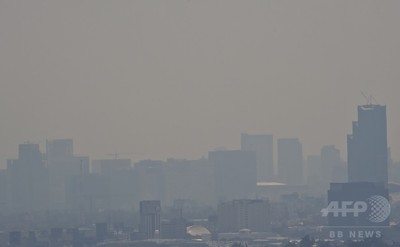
367, 151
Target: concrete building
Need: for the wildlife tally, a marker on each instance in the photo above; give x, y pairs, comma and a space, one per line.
263, 146
62, 164
150, 180
313, 170
236, 215
367, 148
332, 166
27, 180
290, 161
173, 228
150, 219
189, 180
235, 174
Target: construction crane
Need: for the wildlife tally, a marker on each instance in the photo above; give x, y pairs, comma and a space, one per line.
369, 98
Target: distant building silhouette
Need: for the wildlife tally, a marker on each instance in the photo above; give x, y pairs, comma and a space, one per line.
27, 180
244, 214
150, 179
367, 148
189, 179
262, 145
332, 166
150, 219
235, 173
314, 170
62, 164
290, 161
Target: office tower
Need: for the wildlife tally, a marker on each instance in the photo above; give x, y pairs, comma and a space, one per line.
314, 171
367, 151
87, 193
3, 190
190, 180
332, 166
290, 161
62, 164
150, 219
244, 214
27, 183
101, 231
173, 228
262, 145
150, 180
59, 148
235, 174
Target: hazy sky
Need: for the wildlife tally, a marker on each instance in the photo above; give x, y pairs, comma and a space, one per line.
163, 79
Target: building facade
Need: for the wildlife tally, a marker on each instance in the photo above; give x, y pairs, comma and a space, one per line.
367, 146
290, 161
262, 145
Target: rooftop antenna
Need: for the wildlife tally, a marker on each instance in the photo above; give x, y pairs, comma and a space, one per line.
369, 98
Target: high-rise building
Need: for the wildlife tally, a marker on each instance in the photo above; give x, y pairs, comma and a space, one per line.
313, 167
28, 180
367, 150
62, 165
332, 166
244, 214
290, 161
235, 174
150, 219
189, 180
262, 145
150, 180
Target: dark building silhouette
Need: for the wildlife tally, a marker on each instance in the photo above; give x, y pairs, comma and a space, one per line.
173, 228
314, 170
62, 165
290, 161
262, 145
367, 146
235, 173
244, 214
27, 180
189, 180
101, 231
332, 166
150, 219
15, 238
150, 180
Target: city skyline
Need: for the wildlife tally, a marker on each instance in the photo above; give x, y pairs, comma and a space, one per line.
160, 80
199, 123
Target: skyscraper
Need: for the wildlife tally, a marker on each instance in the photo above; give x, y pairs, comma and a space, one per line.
244, 214
61, 165
262, 145
150, 218
235, 173
290, 161
333, 169
367, 151
28, 180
